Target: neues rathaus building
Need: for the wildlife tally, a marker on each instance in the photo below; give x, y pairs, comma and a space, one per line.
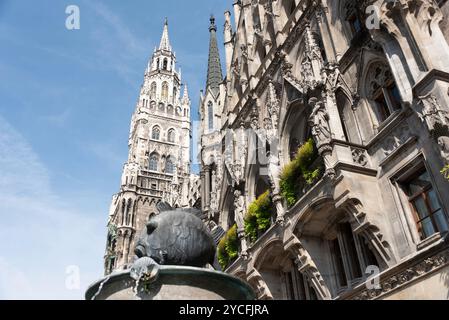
323, 143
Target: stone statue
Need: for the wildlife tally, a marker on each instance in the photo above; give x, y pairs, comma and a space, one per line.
176, 237
239, 209
319, 122
443, 142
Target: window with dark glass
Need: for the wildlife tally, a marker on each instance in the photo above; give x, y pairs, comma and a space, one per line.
426, 207
351, 255
156, 133
153, 162
297, 285
169, 167
383, 91
171, 136
354, 22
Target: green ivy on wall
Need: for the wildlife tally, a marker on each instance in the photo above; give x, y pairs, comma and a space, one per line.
258, 217
228, 248
301, 172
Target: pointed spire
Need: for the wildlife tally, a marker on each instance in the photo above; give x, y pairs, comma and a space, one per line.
165, 41
185, 95
214, 72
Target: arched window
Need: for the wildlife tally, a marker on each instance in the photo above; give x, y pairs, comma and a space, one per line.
165, 64
169, 166
382, 91
164, 94
154, 159
157, 63
210, 115
347, 117
170, 109
352, 17
153, 89
152, 105
156, 133
171, 136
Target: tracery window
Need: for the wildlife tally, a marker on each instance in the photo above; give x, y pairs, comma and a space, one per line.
164, 94
171, 136
154, 159
383, 91
169, 166
210, 115
156, 133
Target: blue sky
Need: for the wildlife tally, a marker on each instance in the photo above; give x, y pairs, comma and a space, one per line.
66, 99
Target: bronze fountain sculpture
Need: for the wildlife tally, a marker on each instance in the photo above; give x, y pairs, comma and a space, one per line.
170, 264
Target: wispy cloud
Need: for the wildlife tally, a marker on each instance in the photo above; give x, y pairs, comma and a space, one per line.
41, 234
58, 119
116, 43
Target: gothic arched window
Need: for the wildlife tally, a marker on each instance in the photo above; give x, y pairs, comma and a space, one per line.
169, 166
347, 117
153, 89
165, 64
164, 94
156, 133
171, 135
352, 18
210, 115
154, 159
382, 91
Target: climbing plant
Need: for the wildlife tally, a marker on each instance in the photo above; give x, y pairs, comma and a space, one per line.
302, 172
258, 217
445, 172
228, 248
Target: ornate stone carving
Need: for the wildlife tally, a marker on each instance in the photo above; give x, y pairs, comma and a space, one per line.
359, 156
272, 103
433, 114
274, 171
319, 122
129, 176
239, 209
403, 278
443, 143
396, 139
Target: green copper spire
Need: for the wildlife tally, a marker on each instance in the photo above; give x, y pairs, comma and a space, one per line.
214, 72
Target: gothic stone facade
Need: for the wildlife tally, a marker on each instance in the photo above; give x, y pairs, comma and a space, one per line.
158, 166
375, 102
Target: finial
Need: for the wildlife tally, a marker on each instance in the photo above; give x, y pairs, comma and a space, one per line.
212, 23
166, 21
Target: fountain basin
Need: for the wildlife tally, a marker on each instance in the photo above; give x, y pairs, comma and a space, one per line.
172, 283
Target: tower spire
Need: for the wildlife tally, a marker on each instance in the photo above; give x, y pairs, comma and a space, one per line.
165, 41
214, 72
185, 96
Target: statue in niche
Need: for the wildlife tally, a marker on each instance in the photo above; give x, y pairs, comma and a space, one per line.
443, 143
274, 172
319, 122
239, 209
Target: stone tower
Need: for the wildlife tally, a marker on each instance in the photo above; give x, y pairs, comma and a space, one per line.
211, 105
158, 165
